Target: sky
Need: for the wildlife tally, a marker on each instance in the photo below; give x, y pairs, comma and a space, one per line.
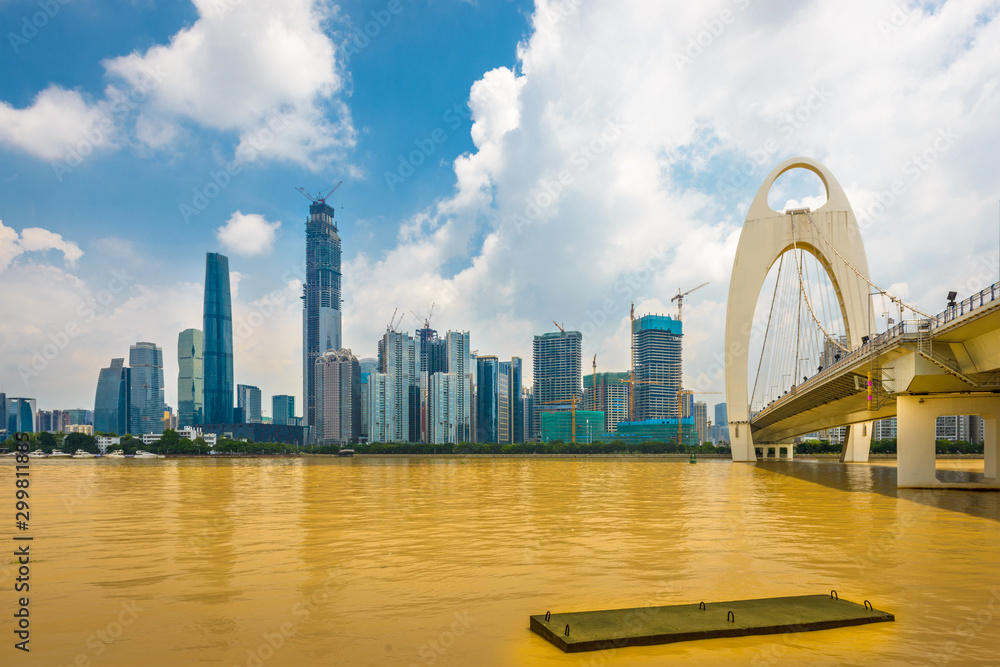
511, 163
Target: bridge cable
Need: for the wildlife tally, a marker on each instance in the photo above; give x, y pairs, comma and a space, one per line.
859, 274
767, 329
806, 296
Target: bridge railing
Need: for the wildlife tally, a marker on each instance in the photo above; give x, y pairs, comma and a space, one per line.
907, 330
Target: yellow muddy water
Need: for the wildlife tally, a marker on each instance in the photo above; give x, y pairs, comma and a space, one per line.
426, 561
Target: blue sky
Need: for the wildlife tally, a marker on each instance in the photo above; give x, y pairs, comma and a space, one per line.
199, 120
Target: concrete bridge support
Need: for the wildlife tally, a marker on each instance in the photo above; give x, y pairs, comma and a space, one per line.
858, 443
916, 417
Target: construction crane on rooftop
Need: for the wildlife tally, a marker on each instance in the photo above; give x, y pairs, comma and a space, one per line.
426, 320
319, 199
393, 324
559, 325
680, 298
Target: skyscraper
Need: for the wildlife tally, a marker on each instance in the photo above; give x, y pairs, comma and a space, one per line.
610, 397
248, 400
701, 421
338, 389
515, 404
321, 322
460, 365
557, 367
218, 341
398, 363
20, 415
113, 399
487, 399
190, 378
657, 343
146, 411
282, 409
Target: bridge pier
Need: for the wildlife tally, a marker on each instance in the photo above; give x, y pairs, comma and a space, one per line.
857, 444
916, 418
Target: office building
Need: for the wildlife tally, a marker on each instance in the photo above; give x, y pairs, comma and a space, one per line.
656, 340
701, 421
487, 399
720, 428
510, 407
321, 316
218, 342
458, 351
112, 403
445, 388
20, 415
338, 383
282, 409
190, 377
248, 400
146, 412
401, 395
81, 417
610, 397
556, 359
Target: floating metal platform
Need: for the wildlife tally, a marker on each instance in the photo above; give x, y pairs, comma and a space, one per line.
644, 626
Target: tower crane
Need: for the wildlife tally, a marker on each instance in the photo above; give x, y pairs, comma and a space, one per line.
680, 298
559, 325
426, 320
572, 400
319, 199
393, 324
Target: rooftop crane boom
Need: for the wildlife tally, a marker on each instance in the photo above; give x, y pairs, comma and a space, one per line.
559, 325
318, 199
426, 320
679, 298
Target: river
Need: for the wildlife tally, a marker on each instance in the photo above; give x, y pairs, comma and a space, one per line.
440, 561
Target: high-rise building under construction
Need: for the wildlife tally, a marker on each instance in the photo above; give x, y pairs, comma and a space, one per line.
656, 340
321, 317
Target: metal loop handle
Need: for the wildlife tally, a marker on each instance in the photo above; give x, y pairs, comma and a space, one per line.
833, 594
868, 606
701, 605
567, 630
731, 617
548, 616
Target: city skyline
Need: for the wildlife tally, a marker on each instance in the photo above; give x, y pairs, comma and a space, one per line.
656, 183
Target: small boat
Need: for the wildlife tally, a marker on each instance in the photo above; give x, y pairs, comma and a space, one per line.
117, 454
143, 454
80, 454
38, 454
345, 452
59, 454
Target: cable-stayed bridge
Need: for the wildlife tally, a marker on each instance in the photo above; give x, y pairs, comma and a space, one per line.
823, 363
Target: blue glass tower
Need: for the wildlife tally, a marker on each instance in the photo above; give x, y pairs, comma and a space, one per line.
146, 362
218, 341
113, 400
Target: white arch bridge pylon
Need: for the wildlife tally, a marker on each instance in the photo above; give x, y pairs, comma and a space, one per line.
831, 235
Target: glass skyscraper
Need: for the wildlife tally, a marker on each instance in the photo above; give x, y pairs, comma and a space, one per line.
113, 400
282, 409
248, 400
190, 378
218, 341
321, 323
487, 399
146, 412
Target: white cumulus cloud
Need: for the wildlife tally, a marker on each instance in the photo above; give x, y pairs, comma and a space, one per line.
34, 239
248, 234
